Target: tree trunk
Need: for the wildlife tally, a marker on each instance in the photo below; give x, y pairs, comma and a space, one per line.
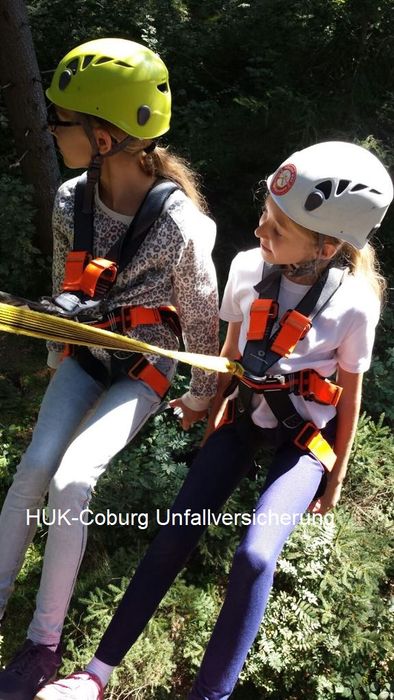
24, 98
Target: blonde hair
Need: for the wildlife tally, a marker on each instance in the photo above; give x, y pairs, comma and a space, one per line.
363, 263
160, 162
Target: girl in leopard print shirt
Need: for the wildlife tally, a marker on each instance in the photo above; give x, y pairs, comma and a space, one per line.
111, 99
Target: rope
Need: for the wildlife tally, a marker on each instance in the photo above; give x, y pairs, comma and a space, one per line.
23, 321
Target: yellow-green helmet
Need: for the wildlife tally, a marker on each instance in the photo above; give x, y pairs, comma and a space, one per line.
118, 80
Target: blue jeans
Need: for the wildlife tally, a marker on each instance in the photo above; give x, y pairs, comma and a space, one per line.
80, 427
292, 481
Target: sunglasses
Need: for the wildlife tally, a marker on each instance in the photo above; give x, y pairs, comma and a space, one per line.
53, 120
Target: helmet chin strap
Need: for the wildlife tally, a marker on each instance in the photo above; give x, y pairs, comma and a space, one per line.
309, 267
93, 173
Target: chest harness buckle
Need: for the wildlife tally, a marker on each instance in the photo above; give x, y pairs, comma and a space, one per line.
266, 346
88, 282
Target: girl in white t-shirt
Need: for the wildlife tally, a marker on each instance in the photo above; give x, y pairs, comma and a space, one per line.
323, 203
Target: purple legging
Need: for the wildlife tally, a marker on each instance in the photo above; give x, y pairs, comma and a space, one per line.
292, 481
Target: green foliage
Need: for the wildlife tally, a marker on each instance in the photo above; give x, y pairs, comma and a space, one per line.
21, 263
328, 629
327, 633
251, 82
378, 395
297, 73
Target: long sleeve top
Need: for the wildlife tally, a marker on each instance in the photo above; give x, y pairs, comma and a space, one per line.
173, 266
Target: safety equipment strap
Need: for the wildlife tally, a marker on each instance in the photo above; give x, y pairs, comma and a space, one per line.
125, 318
264, 348
17, 317
88, 280
126, 247
306, 383
261, 353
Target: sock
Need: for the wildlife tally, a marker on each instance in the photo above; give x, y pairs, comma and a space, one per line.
102, 670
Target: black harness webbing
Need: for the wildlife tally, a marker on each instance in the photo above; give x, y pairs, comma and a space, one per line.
121, 253
259, 357
126, 247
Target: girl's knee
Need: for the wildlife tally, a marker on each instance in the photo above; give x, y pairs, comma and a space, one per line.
68, 491
253, 561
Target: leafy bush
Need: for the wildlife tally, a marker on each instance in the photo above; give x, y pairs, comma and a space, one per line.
378, 395
327, 633
21, 263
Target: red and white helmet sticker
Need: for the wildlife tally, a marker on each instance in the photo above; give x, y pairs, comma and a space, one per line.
284, 179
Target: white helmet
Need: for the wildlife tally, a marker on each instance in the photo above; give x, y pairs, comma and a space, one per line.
334, 188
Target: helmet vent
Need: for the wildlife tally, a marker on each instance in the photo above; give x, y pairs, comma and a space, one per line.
375, 191
325, 187
163, 87
123, 63
103, 59
342, 185
86, 61
73, 66
358, 187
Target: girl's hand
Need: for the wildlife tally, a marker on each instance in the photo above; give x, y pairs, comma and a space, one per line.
186, 415
328, 500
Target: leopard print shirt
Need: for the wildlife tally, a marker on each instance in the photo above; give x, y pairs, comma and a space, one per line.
172, 266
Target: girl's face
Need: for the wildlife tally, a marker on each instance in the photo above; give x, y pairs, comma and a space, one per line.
72, 140
282, 241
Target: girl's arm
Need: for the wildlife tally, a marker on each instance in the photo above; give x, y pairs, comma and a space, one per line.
196, 299
348, 411
230, 349
218, 404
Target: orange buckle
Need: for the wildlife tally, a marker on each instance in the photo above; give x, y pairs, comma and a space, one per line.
260, 311
294, 327
310, 438
313, 387
98, 275
147, 373
75, 264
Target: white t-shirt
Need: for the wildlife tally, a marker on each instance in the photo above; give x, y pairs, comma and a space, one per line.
342, 334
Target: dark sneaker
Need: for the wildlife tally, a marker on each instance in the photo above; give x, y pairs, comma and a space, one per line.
32, 667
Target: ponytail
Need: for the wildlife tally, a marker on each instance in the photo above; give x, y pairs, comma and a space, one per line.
364, 263
162, 163
159, 162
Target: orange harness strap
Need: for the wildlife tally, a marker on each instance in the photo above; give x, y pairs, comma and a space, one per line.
294, 327
149, 374
306, 383
310, 438
91, 276
127, 317
261, 311
75, 265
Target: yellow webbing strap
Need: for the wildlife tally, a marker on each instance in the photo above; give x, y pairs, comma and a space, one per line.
23, 321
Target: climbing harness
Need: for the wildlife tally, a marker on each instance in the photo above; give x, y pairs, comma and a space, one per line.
250, 373
265, 347
89, 279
